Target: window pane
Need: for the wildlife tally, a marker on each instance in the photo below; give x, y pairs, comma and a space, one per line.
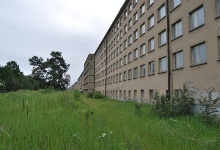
218, 7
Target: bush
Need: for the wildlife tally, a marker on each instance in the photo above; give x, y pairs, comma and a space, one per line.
89, 95
76, 95
180, 104
98, 95
208, 108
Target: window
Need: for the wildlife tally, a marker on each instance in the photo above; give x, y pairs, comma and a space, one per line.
151, 22
163, 64
135, 54
124, 94
162, 38
118, 37
116, 78
121, 47
135, 17
199, 54
120, 77
218, 7
142, 95
130, 7
125, 44
125, 59
121, 34
130, 23
125, 14
161, 12
129, 57
120, 62
135, 2
116, 64
197, 18
151, 44
135, 35
150, 2
177, 29
151, 95
142, 9
125, 76
135, 72
130, 40
135, 94
129, 74
175, 3
129, 95
142, 28
142, 71
151, 68
178, 60
143, 49
125, 29
219, 48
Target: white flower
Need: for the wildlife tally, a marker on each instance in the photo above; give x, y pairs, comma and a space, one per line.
103, 134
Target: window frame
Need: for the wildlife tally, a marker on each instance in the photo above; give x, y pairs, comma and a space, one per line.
198, 57
149, 22
162, 38
135, 74
151, 66
191, 14
162, 65
162, 7
150, 45
176, 60
141, 49
142, 70
174, 27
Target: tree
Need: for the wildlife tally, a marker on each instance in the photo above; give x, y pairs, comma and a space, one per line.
52, 72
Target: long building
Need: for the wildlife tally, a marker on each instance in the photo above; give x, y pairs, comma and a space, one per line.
157, 46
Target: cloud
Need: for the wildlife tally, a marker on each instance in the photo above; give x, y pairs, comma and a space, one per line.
37, 27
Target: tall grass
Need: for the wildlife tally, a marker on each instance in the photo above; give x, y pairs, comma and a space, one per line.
56, 120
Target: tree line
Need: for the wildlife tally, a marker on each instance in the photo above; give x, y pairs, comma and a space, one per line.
49, 73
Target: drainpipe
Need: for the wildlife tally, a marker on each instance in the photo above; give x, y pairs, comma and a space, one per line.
106, 66
168, 49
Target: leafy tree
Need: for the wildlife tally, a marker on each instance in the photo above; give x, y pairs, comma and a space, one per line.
52, 72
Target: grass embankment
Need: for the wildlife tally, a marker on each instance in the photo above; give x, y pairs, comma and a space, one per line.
35, 120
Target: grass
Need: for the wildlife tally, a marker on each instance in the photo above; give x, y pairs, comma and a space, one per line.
44, 121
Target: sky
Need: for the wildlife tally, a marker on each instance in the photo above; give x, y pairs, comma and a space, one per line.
36, 27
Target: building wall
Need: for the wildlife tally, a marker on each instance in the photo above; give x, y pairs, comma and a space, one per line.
202, 76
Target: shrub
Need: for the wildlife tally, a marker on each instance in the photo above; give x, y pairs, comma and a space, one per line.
208, 108
98, 95
137, 107
179, 105
76, 95
89, 95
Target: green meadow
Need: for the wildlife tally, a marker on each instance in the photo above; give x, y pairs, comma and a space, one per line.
41, 120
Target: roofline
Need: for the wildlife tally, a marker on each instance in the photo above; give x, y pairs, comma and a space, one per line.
113, 23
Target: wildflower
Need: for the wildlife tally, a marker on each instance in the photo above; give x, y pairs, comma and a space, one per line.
74, 136
110, 132
103, 134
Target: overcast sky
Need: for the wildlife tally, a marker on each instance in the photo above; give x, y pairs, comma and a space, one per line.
37, 27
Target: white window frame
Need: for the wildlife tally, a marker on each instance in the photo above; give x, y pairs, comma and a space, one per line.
198, 53
151, 45
142, 9
178, 60
142, 70
130, 23
151, 21
150, 2
125, 59
143, 29
197, 18
135, 35
143, 49
125, 44
218, 8
130, 40
175, 3
136, 17
135, 75
161, 12
162, 38
136, 54
177, 29
163, 64
130, 57
151, 69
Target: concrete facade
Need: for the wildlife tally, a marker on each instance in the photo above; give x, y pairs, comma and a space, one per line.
132, 62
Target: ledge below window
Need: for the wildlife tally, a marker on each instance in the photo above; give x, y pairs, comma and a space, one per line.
177, 69
196, 28
162, 72
194, 65
151, 74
